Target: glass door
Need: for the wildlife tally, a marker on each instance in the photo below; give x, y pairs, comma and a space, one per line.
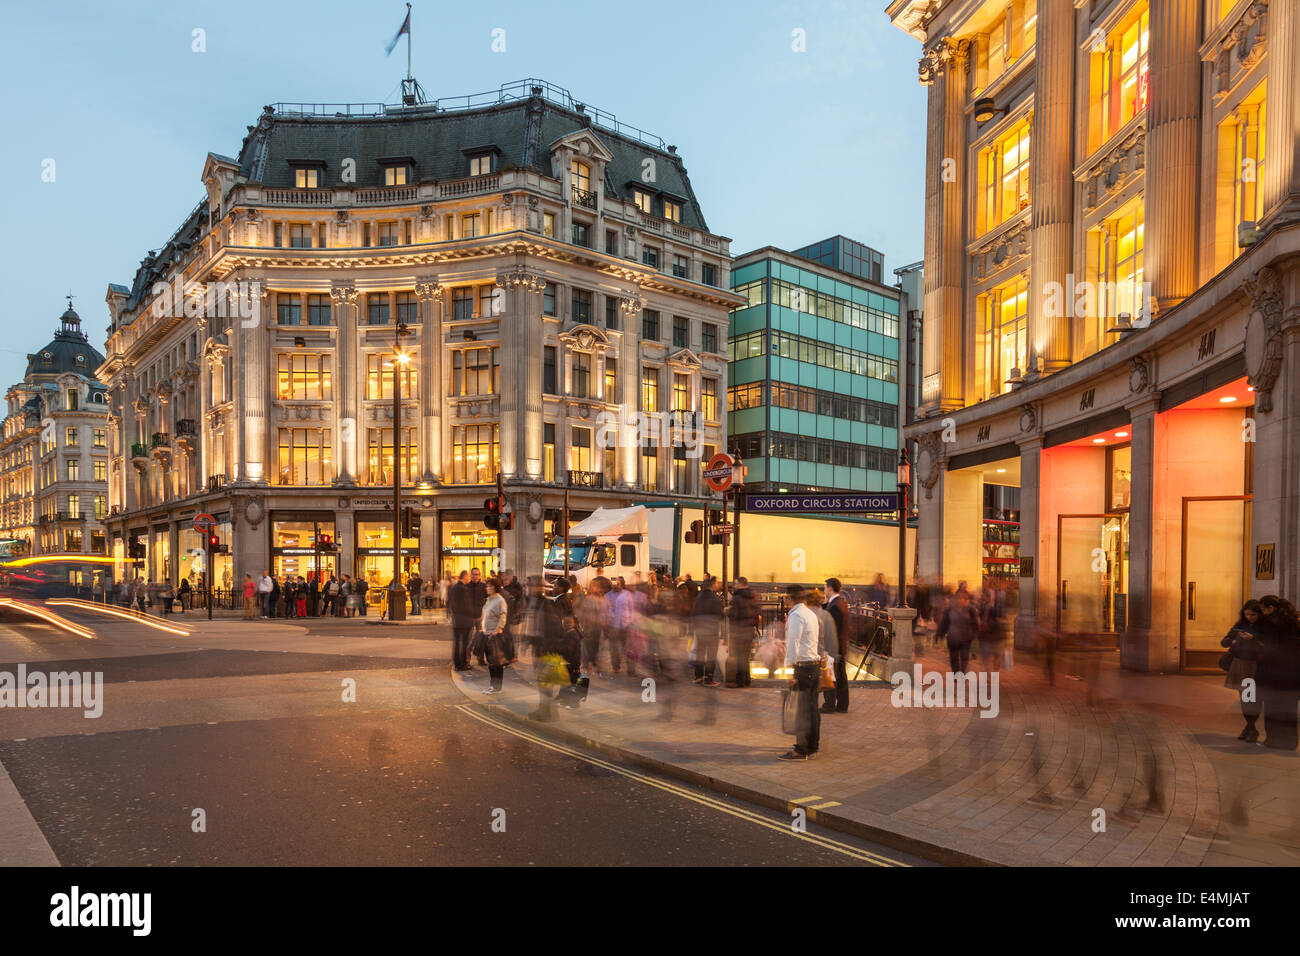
1092, 575
1215, 532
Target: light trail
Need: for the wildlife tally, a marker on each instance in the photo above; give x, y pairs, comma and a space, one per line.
125, 615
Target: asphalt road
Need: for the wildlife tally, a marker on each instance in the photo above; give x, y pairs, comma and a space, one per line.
286, 772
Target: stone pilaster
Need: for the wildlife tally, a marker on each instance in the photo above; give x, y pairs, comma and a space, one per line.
943, 69
521, 374
1173, 151
1052, 182
1027, 620
1282, 122
629, 387
428, 293
347, 376
1140, 649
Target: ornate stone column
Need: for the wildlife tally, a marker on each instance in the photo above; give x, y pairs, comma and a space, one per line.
521, 374
943, 70
629, 385
344, 305
1173, 151
1052, 181
254, 413
1282, 119
1031, 456
432, 397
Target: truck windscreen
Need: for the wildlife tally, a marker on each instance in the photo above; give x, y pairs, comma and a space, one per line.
579, 554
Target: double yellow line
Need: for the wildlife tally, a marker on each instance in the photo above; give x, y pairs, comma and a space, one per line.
749, 816
118, 612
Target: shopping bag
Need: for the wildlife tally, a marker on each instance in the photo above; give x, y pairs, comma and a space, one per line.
828, 676
790, 711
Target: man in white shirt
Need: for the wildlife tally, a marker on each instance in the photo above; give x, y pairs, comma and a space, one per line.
803, 652
264, 587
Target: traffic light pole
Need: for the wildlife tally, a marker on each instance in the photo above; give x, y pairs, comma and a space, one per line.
567, 476
208, 571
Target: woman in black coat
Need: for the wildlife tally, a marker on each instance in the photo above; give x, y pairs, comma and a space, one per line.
1242, 642
1278, 671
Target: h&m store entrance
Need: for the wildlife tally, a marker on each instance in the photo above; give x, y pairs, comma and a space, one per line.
1192, 567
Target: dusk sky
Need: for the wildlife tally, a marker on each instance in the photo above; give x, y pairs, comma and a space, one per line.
782, 147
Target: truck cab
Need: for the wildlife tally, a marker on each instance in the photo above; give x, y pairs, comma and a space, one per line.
611, 542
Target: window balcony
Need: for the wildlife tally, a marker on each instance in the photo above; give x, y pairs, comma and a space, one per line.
216, 482
186, 427
139, 450
160, 440
586, 479
585, 198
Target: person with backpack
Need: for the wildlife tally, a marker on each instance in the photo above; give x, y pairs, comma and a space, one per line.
959, 625
742, 625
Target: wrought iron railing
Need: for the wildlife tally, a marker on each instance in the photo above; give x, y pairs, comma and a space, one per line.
586, 479
216, 482
160, 440
139, 450
584, 198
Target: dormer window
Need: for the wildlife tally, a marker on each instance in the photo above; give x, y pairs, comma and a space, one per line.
672, 210
643, 200
308, 174
482, 161
398, 170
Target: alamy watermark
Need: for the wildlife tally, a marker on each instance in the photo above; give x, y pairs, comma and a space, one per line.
932, 689
212, 300
38, 689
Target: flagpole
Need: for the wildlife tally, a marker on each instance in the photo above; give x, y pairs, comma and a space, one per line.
408, 41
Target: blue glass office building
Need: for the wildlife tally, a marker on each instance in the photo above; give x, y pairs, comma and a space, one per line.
813, 395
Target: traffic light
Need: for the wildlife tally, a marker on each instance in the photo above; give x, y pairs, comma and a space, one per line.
507, 519
213, 543
135, 550
492, 513
325, 543
696, 534
715, 518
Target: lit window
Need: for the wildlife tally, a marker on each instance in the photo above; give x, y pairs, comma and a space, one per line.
469, 226
642, 200
1003, 336
388, 233
672, 210
307, 178
1120, 78
379, 377
1004, 177
394, 175
480, 165
581, 176
303, 376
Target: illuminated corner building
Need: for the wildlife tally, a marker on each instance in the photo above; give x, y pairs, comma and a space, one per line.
551, 264
1108, 420
813, 402
54, 452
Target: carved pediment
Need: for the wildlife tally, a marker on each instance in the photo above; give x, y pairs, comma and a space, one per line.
686, 358
585, 338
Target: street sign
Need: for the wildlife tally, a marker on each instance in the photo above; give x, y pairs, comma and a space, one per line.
203, 523
865, 503
718, 472
723, 528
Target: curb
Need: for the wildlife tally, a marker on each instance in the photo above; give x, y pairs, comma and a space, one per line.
931, 850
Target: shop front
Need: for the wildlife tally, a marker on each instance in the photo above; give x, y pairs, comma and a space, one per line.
374, 553
467, 544
295, 545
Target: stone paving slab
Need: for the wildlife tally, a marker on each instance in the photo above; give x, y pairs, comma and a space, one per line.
1156, 754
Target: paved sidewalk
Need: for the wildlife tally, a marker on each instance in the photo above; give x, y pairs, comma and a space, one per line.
1157, 753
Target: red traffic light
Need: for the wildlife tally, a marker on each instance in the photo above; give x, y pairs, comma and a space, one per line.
213, 542
492, 513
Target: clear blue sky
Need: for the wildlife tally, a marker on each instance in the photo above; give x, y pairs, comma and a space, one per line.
783, 148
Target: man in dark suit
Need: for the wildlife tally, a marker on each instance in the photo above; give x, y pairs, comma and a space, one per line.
463, 618
837, 698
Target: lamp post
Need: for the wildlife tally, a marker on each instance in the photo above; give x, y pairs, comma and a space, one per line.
904, 484
396, 592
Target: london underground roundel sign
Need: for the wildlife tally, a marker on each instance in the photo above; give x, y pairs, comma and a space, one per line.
717, 473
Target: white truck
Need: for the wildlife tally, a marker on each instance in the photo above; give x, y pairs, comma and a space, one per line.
773, 548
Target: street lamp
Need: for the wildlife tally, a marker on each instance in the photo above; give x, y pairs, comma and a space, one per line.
396, 592
904, 483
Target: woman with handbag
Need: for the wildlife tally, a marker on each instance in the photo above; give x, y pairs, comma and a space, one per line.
492, 626
1242, 642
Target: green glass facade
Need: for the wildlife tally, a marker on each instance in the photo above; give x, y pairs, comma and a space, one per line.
813, 378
